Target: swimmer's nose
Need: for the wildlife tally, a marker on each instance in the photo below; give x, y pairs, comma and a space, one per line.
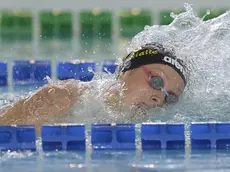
155, 101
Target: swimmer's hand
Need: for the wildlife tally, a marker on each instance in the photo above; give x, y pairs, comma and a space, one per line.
51, 101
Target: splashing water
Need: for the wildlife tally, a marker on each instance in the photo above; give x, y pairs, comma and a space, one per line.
204, 47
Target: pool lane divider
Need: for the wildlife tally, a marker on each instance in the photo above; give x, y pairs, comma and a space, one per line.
3, 74
17, 138
31, 72
210, 135
162, 136
35, 72
154, 136
63, 137
113, 136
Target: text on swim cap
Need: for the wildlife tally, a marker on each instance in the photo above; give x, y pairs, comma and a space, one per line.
145, 52
174, 62
140, 53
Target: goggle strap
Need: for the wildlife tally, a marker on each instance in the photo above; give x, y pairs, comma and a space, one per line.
146, 71
164, 90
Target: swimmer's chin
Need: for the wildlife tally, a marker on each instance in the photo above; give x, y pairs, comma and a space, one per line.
145, 106
145, 109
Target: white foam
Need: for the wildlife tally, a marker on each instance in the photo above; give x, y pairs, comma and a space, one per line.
204, 46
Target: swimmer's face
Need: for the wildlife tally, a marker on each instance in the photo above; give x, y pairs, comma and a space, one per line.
139, 91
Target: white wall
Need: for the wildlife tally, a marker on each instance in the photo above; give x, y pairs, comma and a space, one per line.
112, 4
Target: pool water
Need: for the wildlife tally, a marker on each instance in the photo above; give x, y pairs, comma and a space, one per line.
114, 161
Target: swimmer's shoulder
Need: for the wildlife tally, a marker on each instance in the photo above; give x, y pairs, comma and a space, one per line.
112, 93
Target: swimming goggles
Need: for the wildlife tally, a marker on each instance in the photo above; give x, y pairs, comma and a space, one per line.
157, 83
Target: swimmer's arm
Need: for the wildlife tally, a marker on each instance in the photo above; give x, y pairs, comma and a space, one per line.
45, 105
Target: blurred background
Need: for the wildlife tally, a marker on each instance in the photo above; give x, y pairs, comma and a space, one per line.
58, 30
87, 29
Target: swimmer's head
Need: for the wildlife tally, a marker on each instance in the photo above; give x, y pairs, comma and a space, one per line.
152, 76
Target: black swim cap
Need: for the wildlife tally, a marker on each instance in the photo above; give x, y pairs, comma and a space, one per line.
152, 54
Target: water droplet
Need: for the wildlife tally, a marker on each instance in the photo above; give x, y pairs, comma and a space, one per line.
146, 27
207, 13
172, 14
90, 69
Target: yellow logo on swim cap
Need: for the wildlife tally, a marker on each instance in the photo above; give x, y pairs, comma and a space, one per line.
145, 52
140, 53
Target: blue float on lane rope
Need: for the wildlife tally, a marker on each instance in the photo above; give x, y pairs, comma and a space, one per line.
21, 137
162, 136
41, 69
113, 136
32, 72
86, 71
3, 74
109, 66
67, 70
63, 137
210, 135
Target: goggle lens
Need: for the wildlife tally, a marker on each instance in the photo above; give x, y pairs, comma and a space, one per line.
171, 99
157, 82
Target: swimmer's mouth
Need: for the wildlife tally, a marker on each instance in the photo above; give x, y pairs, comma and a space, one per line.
142, 105
145, 106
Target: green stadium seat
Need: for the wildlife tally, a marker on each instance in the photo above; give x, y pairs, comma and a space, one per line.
25, 26
132, 22
64, 24
16, 26
87, 25
213, 13
103, 25
141, 20
56, 25
8, 27
48, 25
126, 24
165, 17
95, 25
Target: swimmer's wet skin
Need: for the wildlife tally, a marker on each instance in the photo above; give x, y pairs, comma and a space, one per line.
150, 77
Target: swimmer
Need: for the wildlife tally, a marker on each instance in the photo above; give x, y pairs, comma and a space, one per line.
148, 77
